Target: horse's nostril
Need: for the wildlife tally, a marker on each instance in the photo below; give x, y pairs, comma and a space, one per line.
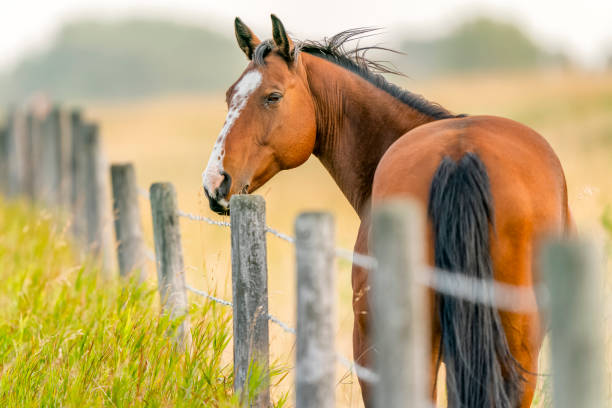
224, 188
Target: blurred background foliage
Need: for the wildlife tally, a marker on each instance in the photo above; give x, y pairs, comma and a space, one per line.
480, 44
137, 58
130, 58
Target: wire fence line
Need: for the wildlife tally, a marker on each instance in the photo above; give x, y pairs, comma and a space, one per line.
210, 297
151, 256
487, 292
361, 372
271, 317
280, 235
365, 261
195, 217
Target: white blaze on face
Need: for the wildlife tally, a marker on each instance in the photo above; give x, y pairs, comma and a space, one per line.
212, 176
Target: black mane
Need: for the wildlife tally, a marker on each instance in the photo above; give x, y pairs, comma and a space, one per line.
334, 50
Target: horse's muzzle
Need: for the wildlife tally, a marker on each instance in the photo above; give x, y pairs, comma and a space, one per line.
217, 200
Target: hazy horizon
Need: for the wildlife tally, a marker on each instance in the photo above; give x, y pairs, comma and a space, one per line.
583, 32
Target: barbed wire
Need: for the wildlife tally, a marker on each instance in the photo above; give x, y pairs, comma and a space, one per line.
500, 295
195, 217
209, 297
280, 235
360, 371
362, 260
365, 261
363, 373
151, 256
282, 324
490, 292
487, 292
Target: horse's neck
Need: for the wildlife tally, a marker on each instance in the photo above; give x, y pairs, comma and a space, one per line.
356, 124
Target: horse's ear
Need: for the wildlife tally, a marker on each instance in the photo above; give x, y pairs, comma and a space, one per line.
281, 39
247, 41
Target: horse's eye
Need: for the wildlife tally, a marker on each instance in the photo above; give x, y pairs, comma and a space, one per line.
273, 98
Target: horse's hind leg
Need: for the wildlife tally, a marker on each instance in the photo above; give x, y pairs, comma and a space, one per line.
524, 339
524, 331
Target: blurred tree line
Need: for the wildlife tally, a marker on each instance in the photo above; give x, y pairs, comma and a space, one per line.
131, 58
140, 58
478, 45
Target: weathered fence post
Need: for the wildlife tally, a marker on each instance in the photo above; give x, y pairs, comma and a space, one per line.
98, 218
169, 259
16, 153
79, 178
573, 274
66, 175
4, 174
128, 227
48, 146
250, 295
316, 314
400, 328
33, 153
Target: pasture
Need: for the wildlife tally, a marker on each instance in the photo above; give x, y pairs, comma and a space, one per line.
169, 139
69, 339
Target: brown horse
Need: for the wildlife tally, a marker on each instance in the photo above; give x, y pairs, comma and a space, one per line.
493, 187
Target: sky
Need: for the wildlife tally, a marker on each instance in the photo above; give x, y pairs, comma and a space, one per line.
582, 29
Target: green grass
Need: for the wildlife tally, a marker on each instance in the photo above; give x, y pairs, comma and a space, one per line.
69, 339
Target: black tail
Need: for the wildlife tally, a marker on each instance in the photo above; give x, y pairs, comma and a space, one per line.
473, 345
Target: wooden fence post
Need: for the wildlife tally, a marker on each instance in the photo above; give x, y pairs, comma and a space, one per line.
250, 295
98, 217
4, 175
400, 330
79, 178
48, 145
573, 273
169, 259
128, 227
316, 311
16, 153
65, 168
33, 174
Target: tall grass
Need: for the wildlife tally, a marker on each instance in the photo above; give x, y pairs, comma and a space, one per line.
69, 339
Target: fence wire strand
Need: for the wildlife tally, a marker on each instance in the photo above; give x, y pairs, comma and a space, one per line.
488, 292
209, 297
491, 293
201, 218
362, 372
280, 235
271, 317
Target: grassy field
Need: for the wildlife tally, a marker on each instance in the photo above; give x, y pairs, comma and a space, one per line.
169, 139
68, 339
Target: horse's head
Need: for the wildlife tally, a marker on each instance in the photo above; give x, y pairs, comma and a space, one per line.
270, 124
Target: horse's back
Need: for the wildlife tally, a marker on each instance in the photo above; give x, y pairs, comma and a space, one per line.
526, 178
